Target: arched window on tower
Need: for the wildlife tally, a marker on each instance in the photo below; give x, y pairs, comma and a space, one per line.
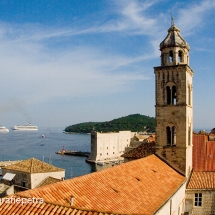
168, 136
171, 56
174, 136
174, 95
180, 56
171, 94
171, 135
168, 94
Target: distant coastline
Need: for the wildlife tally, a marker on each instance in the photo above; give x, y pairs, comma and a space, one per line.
133, 122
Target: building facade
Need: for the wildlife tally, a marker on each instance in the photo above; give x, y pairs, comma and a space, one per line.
200, 192
30, 173
108, 146
174, 107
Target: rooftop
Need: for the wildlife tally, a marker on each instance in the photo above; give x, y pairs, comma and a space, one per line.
203, 153
33, 165
174, 38
123, 189
202, 180
44, 209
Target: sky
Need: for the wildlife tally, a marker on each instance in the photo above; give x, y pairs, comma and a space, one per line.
72, 61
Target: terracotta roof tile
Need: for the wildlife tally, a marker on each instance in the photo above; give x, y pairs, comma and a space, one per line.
33, 166
203, 153
139, 186
202, 180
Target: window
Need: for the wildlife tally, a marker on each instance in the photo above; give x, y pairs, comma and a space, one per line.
171, 136
171, 94
168, 94
198, 199
180, 56
174, 95
168, 135
171, 56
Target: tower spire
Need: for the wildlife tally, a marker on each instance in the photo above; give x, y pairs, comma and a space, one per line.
173, 23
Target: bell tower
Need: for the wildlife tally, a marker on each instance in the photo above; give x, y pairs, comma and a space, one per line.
174, 107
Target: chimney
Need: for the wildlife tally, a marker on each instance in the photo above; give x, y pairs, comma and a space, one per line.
72, 199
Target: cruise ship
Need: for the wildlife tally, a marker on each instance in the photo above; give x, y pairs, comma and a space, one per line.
3, 129
28, 127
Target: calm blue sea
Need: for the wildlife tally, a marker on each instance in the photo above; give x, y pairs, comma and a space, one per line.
21, 145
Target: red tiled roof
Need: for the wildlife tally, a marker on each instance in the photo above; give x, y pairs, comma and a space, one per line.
43, 209
136, 187
202, 180
33, 165
203, 153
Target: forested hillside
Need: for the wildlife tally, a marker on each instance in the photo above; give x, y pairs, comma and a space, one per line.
134, 122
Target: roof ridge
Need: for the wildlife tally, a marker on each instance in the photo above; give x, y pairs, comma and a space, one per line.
33, 165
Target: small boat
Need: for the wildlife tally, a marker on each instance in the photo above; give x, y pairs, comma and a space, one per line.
28, 127
43, 136
3, 129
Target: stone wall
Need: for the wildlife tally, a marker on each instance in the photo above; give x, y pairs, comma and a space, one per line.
208, 201
175, 155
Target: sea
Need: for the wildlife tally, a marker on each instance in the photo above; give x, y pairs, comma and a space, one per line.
22, 145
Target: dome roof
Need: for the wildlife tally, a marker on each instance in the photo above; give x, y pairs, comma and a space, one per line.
174, 39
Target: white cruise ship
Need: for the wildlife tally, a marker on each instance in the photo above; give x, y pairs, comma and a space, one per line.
28, 127
3, 129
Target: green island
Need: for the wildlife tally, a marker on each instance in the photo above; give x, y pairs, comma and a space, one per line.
133, 122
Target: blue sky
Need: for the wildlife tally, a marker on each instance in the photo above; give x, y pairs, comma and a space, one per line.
71, 61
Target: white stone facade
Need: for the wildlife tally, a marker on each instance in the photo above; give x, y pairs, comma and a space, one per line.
30, 173
108, 146
175, 204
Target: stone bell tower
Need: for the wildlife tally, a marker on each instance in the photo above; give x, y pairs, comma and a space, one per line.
174, 108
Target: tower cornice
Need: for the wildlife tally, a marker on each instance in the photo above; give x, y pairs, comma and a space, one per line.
174, 68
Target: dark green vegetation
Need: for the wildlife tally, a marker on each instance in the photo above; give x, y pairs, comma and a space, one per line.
134, 122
